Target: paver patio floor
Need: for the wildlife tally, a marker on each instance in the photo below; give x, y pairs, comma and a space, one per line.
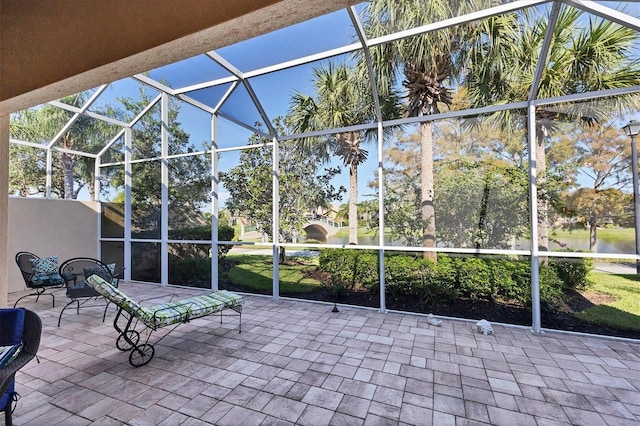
296, 362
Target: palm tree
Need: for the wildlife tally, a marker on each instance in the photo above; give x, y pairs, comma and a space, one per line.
425, 63
41, 126
341, 99
502, 66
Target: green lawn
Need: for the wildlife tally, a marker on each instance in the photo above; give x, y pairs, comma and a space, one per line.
605, 234
256, 272
624, 312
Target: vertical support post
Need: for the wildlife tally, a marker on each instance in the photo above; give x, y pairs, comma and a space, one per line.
383, 300
636, 197
96, 197
128, 171
49, 177
215, 208
533, 221
164, 192
275, 226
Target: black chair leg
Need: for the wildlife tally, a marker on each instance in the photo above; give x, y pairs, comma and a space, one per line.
38, 294
65, 307
104, 315
8, 421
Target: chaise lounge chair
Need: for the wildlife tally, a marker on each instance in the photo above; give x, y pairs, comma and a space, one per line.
145, 320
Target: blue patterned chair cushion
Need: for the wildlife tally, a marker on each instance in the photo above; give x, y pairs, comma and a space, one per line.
52, 279
100, 271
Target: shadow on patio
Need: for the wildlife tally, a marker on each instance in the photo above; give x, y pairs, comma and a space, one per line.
297, 362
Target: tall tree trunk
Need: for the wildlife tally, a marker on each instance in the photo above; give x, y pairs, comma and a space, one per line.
593, 235
353, 204
482, 220
426, 189
68, 164
92, 186
543, 203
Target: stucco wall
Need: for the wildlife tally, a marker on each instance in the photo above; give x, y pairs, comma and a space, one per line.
4, 183
66, 228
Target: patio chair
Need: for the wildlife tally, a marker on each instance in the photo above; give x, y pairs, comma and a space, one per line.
74, 272
40, 275
11, 331
145, 320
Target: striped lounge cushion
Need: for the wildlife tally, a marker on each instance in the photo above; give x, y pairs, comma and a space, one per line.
164, 314
157, 316
113, 294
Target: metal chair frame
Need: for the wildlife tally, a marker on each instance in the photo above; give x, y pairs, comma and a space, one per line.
26, 268
31, 339
72, 272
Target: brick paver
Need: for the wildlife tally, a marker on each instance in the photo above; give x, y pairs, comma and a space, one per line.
297, 362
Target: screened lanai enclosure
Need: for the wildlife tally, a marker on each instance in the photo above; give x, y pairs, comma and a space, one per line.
399, 155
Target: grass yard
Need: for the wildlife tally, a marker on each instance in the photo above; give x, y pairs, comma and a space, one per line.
255, 272
624, 311
604, 234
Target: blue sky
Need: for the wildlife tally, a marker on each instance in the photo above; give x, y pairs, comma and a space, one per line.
274, 90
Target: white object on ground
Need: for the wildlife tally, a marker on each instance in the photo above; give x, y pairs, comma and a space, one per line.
484, 327
433, 320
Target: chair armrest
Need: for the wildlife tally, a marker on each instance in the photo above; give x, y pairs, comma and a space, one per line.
119, 274
9, 371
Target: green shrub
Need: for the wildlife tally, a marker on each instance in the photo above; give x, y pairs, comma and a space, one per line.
203, 232
190, 264
400, 275
505, 284
191, 272
573, 271
445, 285
519, 289
350, 269
475, 278
551, 288
225, 233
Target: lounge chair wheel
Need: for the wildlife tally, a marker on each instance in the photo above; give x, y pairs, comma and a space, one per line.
127, 340
141, 355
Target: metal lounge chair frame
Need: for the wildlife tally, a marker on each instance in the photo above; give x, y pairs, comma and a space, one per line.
73, 273
140, 322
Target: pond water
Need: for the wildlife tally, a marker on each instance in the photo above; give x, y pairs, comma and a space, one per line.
576, 243
604, 246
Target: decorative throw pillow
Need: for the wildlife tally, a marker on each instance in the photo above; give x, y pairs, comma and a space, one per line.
45, 265
115, 280
97, 270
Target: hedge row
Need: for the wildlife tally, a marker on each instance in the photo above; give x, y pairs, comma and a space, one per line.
476, 278
190, 264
